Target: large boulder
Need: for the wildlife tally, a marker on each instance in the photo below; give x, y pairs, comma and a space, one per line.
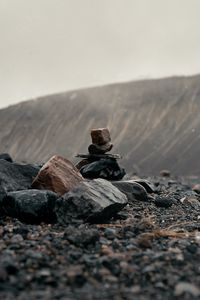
30, 206
15, 176
132, 189
106, 168
91, 201
58, 175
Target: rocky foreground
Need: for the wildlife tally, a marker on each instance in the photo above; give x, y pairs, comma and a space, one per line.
148, 247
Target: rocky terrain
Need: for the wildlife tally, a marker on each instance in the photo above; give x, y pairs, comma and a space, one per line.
143, 241
154, 124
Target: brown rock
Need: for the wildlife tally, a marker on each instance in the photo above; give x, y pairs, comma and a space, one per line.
58, 175
165, 173
100, 136
196, 188
99, 149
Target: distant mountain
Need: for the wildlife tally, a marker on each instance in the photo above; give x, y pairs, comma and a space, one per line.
154, 124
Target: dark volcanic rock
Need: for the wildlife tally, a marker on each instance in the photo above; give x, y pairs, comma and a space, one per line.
104, 168
6, 156
149, 187
58, 175
31, 206
14, 176
99, 149
92, 201
2, 195
133, 190
163, 201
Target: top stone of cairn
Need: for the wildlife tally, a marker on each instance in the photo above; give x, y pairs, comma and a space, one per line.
100, 136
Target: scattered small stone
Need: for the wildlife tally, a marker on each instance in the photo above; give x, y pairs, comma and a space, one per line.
186, 287
196, 188
163, 201
165, 173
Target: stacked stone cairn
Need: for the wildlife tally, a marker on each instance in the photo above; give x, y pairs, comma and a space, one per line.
97, 163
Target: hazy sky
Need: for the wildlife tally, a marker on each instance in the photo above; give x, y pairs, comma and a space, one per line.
48, 46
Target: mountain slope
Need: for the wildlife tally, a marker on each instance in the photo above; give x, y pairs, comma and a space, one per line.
154, 124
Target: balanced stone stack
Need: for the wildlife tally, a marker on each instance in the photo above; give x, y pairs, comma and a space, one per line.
97, 163
101, 141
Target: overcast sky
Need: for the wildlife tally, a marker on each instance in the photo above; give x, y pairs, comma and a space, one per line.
48, 46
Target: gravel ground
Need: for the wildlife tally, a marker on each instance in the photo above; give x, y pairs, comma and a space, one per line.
146, 252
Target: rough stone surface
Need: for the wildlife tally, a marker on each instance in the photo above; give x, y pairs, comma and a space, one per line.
91, 201
149, 187
58, 175
196, 188
30, 206
6, 156
133, 190
2, 195
14, 176
103, 168
163, 201
100, 136
145, 252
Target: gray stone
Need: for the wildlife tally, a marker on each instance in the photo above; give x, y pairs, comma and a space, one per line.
132, 189
91, 201
149, 187
15, 176
31, 206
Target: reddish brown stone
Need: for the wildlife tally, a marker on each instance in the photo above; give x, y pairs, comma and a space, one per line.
58, 175
100, 136
165, 173
196, 188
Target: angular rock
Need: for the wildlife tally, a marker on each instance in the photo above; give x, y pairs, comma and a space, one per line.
100, 136
6, 156
14, 176
58, 175
132, 190
31, 206
103, 168
149, 187
91, 201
